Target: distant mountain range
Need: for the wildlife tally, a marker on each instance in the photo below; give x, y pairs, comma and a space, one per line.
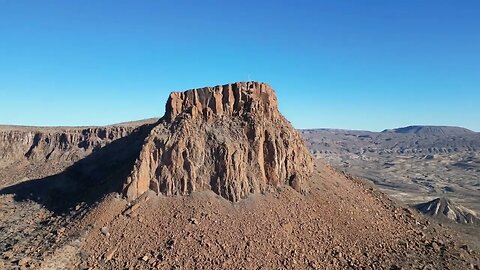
431, 130
413, 164
412, 139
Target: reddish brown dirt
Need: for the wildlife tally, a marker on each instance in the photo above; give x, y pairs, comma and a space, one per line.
341, 224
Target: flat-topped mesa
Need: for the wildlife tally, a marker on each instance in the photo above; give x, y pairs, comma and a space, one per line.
229, 139
222, 100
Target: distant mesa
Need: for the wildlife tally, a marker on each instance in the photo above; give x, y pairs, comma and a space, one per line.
443, 208
230, 139
431, 130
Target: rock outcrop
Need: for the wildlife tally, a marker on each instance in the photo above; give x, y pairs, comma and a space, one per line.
230, 139
443, 208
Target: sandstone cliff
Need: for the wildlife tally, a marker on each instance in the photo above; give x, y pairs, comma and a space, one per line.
67, 144
29, 152
230, 139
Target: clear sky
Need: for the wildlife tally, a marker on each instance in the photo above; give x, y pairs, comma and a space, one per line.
340, 64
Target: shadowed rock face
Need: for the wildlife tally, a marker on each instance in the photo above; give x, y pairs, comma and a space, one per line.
68, 144
37, 152
444, 208
230, 139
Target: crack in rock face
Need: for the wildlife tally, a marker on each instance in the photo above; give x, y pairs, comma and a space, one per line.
230, 139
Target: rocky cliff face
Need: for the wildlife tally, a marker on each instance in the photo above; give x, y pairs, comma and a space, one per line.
43, 144
29, 153
230, 139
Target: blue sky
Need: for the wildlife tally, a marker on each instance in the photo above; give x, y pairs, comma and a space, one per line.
341, 64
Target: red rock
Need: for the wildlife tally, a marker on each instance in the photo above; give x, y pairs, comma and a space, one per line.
230, 139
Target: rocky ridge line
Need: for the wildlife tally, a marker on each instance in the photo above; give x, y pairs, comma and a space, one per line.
445, 209
67, 144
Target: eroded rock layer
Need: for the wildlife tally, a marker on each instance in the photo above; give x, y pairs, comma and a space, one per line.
42, 144
230, 139
37, 152
444, 208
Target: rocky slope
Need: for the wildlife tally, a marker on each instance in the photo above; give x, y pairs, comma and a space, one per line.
341, 224
230, 139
